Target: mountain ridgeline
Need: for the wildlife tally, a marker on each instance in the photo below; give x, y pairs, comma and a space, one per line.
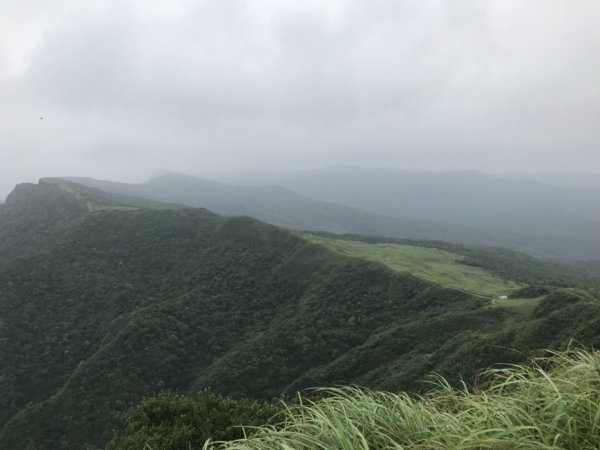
546, 215
282, 207
106, 299
551, 222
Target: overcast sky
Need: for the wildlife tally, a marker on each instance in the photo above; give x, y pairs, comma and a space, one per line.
125, 87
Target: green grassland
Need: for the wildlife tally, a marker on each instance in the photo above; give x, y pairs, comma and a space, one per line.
431, 264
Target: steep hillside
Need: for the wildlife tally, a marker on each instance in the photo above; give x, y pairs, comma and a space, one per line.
118, 302
34, 215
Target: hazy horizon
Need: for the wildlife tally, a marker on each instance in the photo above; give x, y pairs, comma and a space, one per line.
115, 90
253, 177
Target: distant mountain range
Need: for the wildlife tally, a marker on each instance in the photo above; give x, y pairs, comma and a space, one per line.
461, 207
466, 197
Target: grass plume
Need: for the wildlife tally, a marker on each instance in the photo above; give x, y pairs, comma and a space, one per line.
553, 403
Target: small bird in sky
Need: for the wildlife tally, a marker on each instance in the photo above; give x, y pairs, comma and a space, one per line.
41, 118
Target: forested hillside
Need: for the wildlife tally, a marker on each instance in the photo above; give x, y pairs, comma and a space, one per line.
105, 300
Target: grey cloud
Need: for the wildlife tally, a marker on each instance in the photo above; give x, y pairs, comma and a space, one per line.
200, 86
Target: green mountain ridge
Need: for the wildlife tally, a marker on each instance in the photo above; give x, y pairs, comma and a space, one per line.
284, 207
101, 306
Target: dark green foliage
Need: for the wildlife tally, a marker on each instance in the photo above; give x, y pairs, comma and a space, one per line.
175, 422
35, 215
116, 304
532, 292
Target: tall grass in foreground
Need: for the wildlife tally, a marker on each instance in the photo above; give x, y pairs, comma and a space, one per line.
552, 404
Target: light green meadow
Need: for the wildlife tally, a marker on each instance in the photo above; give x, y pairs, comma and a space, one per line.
431, 264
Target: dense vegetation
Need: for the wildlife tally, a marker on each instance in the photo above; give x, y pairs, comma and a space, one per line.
552, 404
175, 422
104, 302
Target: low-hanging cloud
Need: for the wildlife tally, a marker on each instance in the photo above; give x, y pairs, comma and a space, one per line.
125, 87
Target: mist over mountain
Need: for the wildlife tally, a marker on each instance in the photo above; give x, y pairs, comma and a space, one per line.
528, 210
461, 207
458, 197
585, 180
281, 206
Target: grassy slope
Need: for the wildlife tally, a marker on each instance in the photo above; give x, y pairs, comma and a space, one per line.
553, 404
432, 264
